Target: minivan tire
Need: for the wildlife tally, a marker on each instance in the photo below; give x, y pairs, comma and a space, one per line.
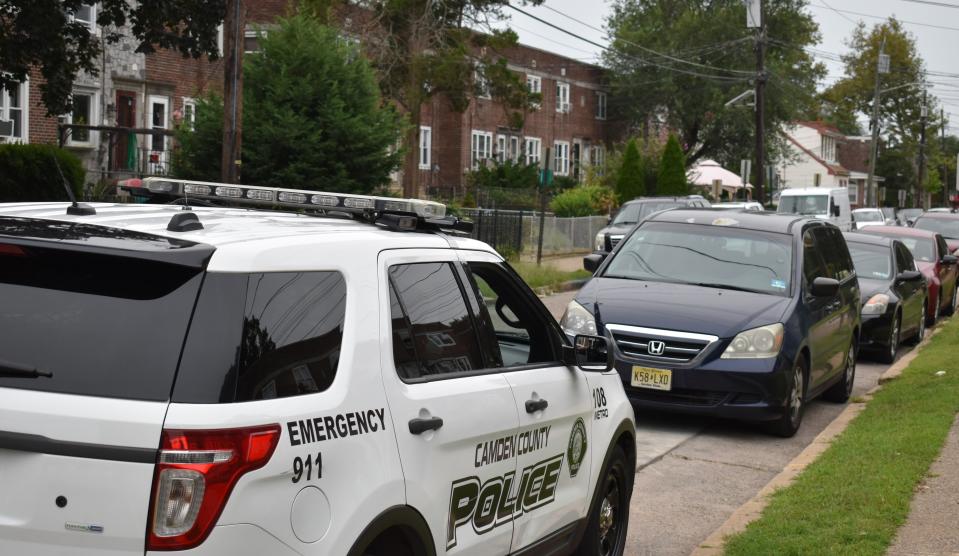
842, 389
605, 534
787, 425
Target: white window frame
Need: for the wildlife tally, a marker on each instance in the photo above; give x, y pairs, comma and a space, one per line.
562, 98
426, 148
165, 101
533, 147
854, 194
24, 108
561, 158
500, 153
534, 83
90, 24
481, 147
828, 148
253, 34
507, 148
597, 157
601, 103
93, 136
189, 116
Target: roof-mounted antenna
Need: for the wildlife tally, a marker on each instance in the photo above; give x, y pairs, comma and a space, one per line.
76, 208
186, 200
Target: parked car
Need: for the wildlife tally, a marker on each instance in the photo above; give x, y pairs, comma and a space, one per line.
633, 212
891, 214
932, 256
825, 203
747, 205
893, 293
944, 223
741, 315
941, 209
864, 217
909, 215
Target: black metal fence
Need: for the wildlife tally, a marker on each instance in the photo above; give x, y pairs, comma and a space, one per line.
503, 229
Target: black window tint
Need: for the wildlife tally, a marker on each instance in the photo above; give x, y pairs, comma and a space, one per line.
103, 325
508, 314
813, 266
292, 334
904, 260
440, 324
844, 263
943, 247
404, 353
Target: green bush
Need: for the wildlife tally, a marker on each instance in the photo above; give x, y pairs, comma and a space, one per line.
506, 175
672, 170
582, 201
631, 176
29, 173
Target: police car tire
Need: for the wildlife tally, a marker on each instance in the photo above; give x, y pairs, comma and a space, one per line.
617, 472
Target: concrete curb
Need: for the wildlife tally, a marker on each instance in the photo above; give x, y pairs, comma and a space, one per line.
753, 509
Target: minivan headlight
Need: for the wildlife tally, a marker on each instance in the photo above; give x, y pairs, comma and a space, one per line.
600, 241
758, 343
876, 305
577, 320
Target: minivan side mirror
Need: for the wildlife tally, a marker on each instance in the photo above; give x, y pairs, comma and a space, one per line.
910, 222
592, 262
589, 353
836, 211
949, 259
824, 287
908, 276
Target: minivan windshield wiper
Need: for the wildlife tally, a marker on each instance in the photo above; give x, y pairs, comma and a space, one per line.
15, 370
726, 287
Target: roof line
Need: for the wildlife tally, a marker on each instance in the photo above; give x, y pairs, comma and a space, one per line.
817, 159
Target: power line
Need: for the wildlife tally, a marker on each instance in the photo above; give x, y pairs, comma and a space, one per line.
642, 61
930, 3
839, 13
872, 16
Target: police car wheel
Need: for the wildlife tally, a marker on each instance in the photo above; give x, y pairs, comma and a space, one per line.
393, 543
606, 530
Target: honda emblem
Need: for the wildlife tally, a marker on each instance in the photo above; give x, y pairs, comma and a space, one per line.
656, 347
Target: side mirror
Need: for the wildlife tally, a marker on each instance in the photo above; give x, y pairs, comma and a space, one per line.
910, 222
949, 259
836, 211
908, 276
824, 287
609, 220
592, 262
592, 353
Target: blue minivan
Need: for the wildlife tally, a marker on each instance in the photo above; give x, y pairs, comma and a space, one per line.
734, 314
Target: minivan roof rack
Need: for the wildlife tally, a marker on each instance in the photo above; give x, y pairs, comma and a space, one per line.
393, 213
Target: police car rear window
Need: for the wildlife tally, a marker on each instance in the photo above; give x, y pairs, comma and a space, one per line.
263, 336
92, 324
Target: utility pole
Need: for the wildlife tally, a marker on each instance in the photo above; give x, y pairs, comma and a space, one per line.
942, 150
882, 66
760, 104
233, 34
918, 200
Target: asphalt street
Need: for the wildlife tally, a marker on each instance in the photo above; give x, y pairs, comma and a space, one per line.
694, 472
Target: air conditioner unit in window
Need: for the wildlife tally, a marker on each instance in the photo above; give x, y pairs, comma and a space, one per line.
6, 128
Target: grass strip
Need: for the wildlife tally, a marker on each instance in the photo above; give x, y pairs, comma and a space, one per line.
545, 275
854, 498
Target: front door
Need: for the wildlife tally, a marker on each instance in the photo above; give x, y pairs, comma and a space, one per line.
553, 402
158, 143
824, 312
908, 290
125, 145
454, 412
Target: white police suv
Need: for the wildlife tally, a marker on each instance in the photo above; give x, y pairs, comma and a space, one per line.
345, 378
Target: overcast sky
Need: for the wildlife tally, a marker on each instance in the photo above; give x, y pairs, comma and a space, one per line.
938, 47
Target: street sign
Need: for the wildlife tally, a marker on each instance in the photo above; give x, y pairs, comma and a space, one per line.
883, 63
754, 14
745, 167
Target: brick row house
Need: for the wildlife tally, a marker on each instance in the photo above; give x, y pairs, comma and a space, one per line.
159, 90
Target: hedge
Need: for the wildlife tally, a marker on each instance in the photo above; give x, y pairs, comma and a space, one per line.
28, 173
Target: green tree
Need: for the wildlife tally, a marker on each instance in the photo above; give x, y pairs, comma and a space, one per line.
43, 34
197, 154
631, 175
314, 118
680, 62
672, 170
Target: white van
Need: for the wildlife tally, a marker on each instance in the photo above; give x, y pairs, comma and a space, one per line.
825, 203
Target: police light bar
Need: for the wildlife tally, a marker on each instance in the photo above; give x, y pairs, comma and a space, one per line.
292, 198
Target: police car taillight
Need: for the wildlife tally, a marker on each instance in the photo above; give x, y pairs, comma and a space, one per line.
195, 473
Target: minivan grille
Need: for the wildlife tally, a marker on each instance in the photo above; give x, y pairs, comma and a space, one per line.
663, 346
612, 241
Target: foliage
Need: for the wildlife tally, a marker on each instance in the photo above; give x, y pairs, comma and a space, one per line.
583, 201
631, 174
43, 35
422, 48
854, 497
313, 115
546, 276
690, 98
505, 174
672, 170
29, 173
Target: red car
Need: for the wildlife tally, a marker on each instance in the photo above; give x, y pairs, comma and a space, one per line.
934, 260
945, 223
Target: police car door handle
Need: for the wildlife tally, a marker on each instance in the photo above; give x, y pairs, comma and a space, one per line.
419, 426
532, 406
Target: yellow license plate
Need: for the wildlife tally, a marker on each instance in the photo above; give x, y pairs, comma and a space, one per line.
655, 379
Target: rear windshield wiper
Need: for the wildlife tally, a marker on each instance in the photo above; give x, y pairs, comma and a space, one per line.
726, 287
15, 370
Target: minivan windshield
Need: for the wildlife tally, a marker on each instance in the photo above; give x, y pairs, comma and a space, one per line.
713, 256
947, 227
633, 213
803, 204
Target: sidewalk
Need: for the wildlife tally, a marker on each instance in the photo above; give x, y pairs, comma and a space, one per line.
933, 523
566, 263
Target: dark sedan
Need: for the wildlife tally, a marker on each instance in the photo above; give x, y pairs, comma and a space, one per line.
893, 294
741, 315
945, 223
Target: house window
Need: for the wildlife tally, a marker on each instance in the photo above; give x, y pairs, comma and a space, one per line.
828, 148
854, 195
600, 106
84, 108
534, 83
507, 148
13, 108
561, 158
251, 40
189, 113
534, 148
86, 15
482, 83
426, 147
562, 97
597, 158
481, 148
